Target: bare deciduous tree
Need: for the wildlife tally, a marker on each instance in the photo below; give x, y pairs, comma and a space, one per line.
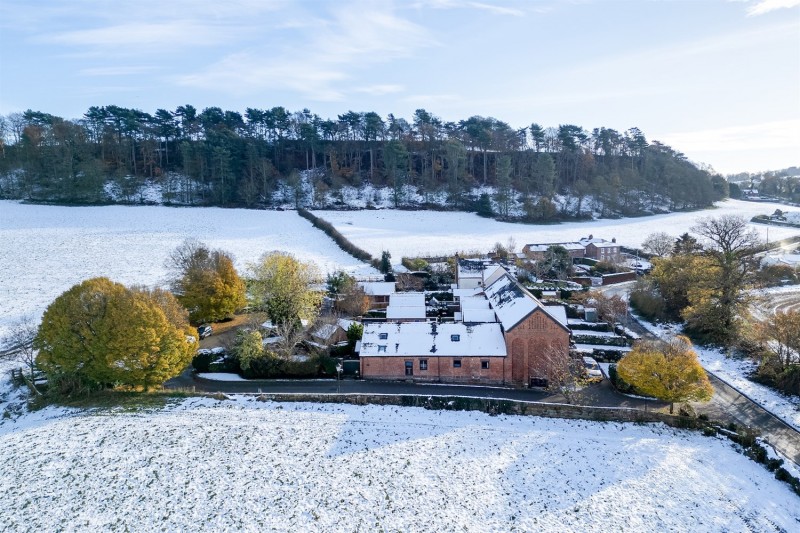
659, 243
19, 343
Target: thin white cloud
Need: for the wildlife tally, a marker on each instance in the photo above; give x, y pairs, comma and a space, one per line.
380, 90
496, 9
116, 71
765, 6
320, 58
749, 137
137, 34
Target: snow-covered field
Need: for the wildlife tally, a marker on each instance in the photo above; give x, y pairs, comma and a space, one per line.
44, 250
243, 465
411, 233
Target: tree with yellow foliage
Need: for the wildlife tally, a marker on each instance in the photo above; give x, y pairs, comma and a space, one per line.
100, 332
667, 370
282, 286
206, 282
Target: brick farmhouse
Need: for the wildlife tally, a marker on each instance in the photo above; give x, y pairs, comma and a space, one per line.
502, 335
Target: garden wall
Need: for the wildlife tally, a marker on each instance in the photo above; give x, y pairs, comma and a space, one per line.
492, 406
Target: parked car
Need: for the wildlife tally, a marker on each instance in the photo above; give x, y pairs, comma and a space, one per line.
593, 371
204, 331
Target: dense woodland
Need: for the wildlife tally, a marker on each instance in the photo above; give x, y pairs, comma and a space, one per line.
224, 158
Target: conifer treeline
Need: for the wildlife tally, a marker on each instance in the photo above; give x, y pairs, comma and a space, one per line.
217, 157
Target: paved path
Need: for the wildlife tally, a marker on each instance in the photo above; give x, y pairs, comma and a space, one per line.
729, 405
599, 394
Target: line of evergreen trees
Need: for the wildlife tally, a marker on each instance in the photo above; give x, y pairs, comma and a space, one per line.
224, 158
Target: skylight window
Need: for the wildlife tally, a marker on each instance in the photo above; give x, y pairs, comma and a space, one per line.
455, 338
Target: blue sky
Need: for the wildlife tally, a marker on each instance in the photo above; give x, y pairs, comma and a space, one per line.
717, 80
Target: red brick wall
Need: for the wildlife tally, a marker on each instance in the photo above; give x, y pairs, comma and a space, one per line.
439, 368
537, 344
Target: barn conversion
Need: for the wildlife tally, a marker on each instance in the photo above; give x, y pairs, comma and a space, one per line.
501, 335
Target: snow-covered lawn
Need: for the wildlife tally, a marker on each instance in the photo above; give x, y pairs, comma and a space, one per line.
44, 250
243, 465
405, 233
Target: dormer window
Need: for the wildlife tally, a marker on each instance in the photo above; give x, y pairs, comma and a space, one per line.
383, 336
381, 348
455, 338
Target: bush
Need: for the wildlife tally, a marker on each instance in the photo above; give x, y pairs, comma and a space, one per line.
648, 304
327, 365
202, 361
618, 382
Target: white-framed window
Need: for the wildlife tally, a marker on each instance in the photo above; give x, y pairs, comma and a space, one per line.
423, 364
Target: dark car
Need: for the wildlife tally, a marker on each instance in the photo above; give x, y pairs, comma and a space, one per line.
204, 331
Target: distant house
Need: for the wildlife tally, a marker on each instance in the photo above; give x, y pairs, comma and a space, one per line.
469, 273
502, 335
330, 334
378, 292
537, 252
609, 252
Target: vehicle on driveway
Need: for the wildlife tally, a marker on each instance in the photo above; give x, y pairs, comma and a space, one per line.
593, 372
204, 331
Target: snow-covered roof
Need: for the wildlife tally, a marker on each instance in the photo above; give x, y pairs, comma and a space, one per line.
325, 331
543, 247
474, 302
492, 273
377, 288
559, 312
478, 315
345, 323
406, 305
590, 239
470, 268
792, 260
407, 339
462, 293
605, 244
510, 301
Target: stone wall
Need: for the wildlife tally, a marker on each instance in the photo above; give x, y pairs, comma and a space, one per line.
493, 406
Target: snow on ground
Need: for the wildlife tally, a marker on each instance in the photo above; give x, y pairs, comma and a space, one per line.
220, 376
405, 233
45, 250
735, 372
250, 466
